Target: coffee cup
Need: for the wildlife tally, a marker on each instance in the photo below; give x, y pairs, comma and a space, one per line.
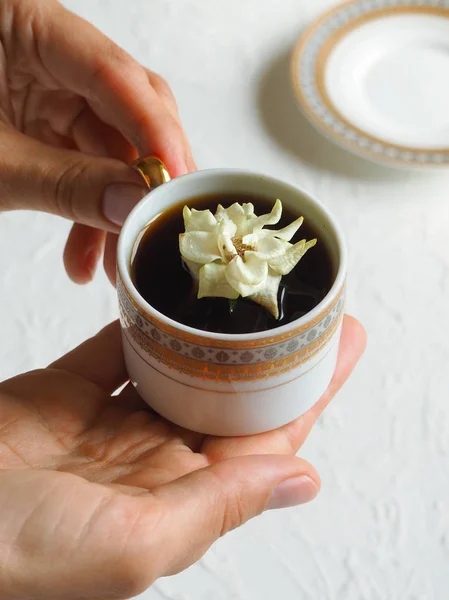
227, 384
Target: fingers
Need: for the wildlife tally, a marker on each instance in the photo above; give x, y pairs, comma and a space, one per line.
352, 346
73, 539
116, 86
117, 107
194, 511
91, 190
110, 257
288, 439
164, 92
92, 136
99, 360
83, 250
85, 246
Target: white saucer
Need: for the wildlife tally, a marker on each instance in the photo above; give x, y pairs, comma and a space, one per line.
373, 75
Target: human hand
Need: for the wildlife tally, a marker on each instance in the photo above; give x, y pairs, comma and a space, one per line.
99, 496
75, 110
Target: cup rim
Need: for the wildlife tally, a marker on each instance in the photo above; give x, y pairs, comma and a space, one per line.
338, 284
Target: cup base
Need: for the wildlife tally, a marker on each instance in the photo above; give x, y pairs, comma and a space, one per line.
232, 414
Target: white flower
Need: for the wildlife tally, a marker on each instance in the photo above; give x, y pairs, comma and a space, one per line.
230, 254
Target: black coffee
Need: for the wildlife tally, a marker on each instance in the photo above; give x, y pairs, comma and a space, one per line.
164, 282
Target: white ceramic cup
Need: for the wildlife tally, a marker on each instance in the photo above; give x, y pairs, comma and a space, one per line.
230, 385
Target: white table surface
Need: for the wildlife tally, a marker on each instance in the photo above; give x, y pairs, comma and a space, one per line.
380, 528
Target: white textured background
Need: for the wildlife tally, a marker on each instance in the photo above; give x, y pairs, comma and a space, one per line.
380, 528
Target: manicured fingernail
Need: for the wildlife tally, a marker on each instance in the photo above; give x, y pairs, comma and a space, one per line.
292, 492
119, 199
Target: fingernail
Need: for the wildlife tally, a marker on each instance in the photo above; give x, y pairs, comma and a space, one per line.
292, 492
119, 199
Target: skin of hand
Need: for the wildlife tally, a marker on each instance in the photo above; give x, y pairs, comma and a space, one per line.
75, 111
99, 496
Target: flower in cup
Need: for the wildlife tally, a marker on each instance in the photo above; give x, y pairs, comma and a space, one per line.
232, 254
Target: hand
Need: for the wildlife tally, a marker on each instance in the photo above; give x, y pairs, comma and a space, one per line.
99, 496
75, 110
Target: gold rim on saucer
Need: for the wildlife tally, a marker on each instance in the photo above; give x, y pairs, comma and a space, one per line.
308, 73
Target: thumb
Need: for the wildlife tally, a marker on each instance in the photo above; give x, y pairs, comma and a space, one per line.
197, 509
87, 189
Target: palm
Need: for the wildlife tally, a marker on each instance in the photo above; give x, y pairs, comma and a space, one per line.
98, 492
74, 423
79, 428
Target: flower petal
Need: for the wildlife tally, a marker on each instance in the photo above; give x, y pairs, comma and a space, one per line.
288, 232
199, 246
246, 225
186, 213
199, 220
213, 283
271, 219
268, 295
211, 245
266, 247
222, 214
288, 261
247, 276
227, 248
248, 209
194, 269
225, 233
227, 228
236, 213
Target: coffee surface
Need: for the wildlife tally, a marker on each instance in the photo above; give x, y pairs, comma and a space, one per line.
163, 281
